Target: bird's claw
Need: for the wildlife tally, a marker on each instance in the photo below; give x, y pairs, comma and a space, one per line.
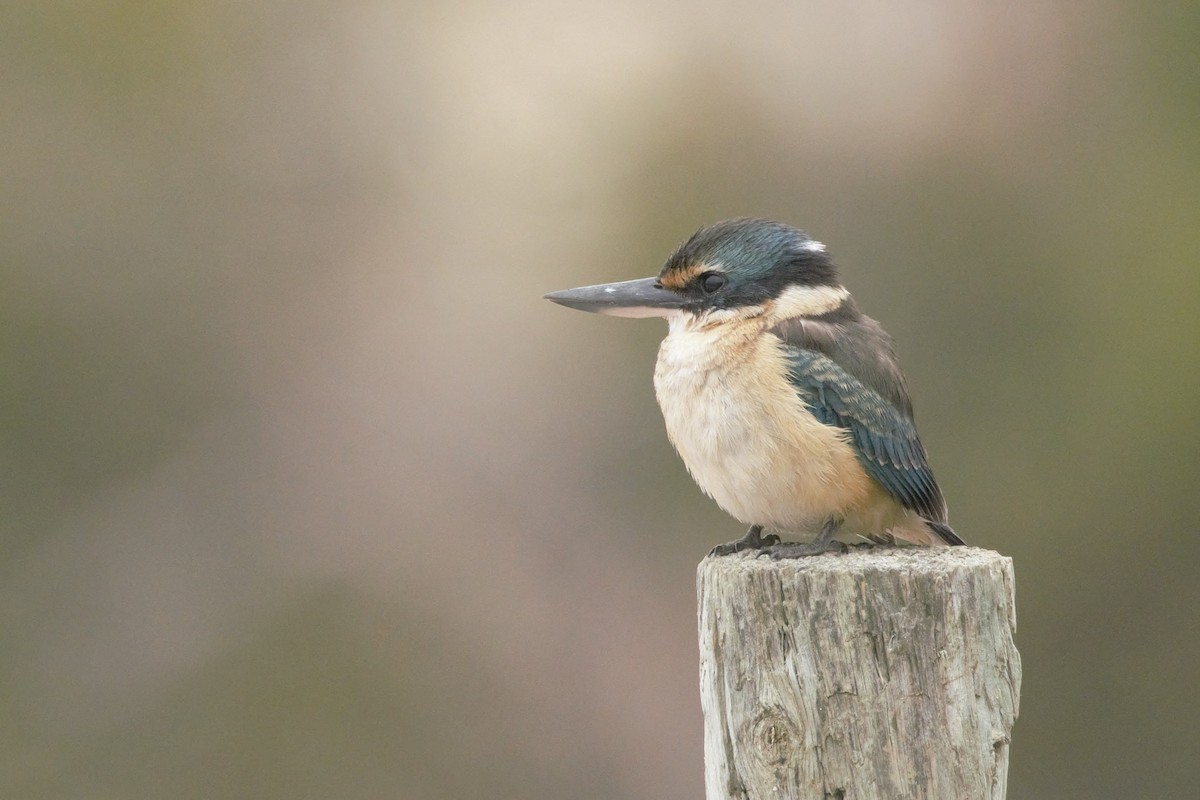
753, 540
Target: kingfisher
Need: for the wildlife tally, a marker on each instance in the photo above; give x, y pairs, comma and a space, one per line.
786, 403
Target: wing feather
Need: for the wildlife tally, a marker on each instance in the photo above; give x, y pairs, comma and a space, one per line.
883, 435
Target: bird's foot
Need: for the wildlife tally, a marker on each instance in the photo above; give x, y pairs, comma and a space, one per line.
803, 549
824, 543
753, 540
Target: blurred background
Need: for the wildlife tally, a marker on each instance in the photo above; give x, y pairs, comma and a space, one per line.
307, 492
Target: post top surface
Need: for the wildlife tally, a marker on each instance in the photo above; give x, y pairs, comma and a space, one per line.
866, 558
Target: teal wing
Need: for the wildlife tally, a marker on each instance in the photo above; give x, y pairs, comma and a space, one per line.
883, 436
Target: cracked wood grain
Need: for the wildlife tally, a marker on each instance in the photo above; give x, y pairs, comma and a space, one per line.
881, 673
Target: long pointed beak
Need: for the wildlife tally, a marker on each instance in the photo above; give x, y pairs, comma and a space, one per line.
640, 298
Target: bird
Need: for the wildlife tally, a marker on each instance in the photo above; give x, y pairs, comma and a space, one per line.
785, 402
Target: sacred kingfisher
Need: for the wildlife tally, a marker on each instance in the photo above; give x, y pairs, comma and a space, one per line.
786, 403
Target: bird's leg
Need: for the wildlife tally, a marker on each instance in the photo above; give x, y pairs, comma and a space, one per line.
751, 541
824, 543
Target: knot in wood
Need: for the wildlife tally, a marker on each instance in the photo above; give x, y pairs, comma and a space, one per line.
774, 737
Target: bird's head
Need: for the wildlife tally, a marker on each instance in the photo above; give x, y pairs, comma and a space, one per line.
731, 270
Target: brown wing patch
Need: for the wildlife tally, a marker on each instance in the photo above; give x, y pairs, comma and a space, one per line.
678, 278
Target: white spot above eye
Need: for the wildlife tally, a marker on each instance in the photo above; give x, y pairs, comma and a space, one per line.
812, 245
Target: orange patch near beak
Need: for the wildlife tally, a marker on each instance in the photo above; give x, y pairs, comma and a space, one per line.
678, 279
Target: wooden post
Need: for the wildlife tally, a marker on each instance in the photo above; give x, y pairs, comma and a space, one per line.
880, 673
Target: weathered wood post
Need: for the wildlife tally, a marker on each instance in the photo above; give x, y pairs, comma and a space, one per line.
880, 673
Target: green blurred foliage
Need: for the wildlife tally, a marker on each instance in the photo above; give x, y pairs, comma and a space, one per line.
307, 493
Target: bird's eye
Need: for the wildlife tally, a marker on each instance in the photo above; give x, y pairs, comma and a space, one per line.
711, 282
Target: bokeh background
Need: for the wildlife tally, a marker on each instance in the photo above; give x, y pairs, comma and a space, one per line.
307, 493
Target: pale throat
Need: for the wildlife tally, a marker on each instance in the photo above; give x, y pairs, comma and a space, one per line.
686, 322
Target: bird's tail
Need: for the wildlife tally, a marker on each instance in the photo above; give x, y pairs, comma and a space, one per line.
944, 532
